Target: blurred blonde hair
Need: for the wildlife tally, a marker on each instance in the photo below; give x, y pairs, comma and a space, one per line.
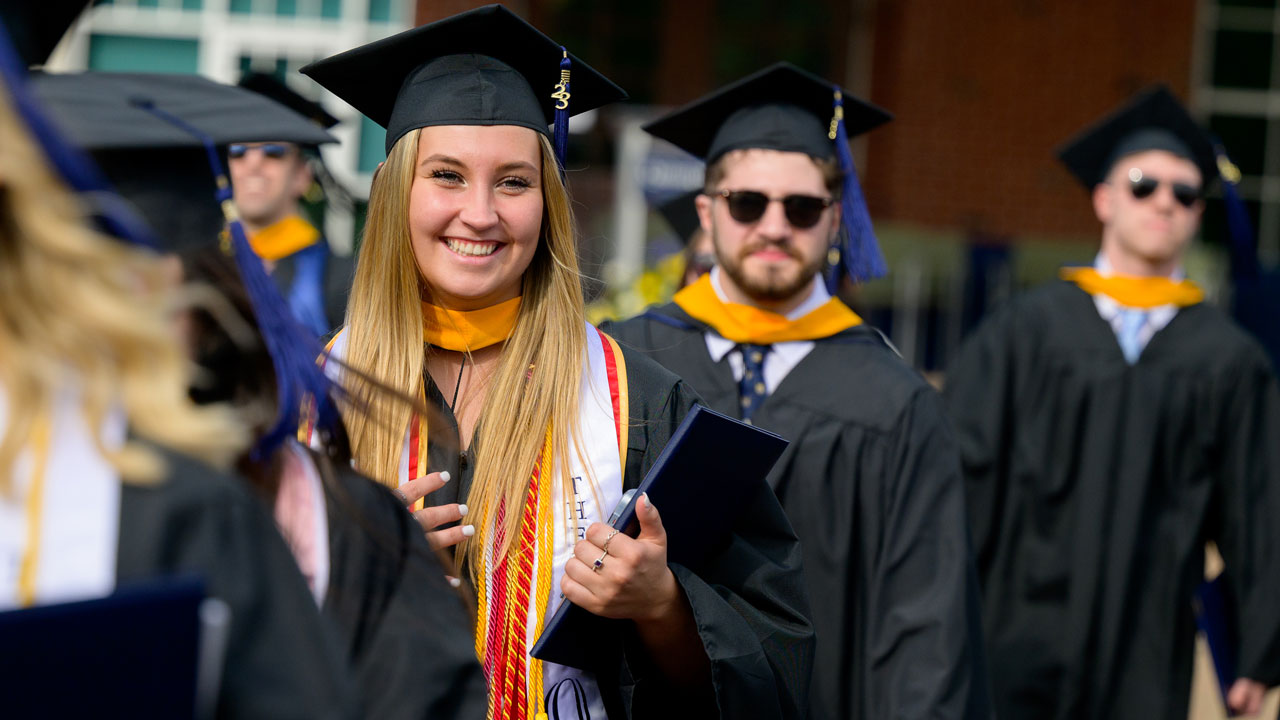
81, 310
384, 326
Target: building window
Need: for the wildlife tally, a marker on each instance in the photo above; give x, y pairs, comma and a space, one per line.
128, 53
1240, 97
383, 11
372, 139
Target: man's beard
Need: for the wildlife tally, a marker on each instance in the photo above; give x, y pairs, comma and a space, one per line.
769, 286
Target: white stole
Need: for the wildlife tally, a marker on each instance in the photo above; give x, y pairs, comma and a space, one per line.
79, 522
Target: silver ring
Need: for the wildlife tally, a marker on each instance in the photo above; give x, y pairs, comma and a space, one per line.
599, 563
612, 532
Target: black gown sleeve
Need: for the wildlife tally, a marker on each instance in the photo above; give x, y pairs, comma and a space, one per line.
978, 394
749, 601
408, 634
924, 646
281, 660
1247, 506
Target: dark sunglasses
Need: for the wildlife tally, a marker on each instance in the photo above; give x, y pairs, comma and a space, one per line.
275, 151
748, 206
1144, 187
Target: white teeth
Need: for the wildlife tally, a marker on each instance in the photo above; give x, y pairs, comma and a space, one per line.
463, 247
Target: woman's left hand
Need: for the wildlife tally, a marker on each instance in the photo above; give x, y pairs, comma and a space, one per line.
632, 580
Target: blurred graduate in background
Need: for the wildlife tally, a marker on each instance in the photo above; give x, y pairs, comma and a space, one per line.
1111, 424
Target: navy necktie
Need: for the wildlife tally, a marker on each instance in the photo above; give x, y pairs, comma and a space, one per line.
751, 388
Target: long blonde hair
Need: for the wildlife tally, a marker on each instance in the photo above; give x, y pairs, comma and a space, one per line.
78, 307
384, 326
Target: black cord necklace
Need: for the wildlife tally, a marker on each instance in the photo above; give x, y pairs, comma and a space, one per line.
453, 404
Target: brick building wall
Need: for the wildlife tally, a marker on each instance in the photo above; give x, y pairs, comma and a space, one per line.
985, 90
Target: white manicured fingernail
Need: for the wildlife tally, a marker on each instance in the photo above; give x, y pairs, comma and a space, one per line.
444, 476
455, 582
468, 530
463, 510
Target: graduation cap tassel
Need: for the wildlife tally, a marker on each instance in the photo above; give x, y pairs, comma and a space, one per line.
1244, 249
293, 351
861, 256
110, 212
560, 136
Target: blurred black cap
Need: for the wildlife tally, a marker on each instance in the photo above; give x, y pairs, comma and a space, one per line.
482, 67
100, 110
36, 26
1151, 120
272, 87
161, 169
681, 213
778, 108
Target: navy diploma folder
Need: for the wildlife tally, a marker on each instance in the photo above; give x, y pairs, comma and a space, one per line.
1215, 617
133, 653
696, 486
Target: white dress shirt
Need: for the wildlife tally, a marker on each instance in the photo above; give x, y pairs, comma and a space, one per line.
1111, 311
782, 357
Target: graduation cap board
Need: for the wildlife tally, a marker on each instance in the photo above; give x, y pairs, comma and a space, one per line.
158, 134
1151, 120
271, 87
36, 28
787, 109
698, 482
104, 111
482, 67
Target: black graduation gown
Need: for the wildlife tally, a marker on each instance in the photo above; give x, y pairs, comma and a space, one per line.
406, 632
1092, 488
280, 660
749, 601
871, 484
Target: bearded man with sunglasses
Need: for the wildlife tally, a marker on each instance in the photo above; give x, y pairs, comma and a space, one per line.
1110, 424
268, 182
871, 481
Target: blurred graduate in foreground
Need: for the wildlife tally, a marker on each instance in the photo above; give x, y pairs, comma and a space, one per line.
107, 476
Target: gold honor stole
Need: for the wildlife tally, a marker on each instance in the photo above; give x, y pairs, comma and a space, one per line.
1135, 291
513, 591
747, 324
284, 238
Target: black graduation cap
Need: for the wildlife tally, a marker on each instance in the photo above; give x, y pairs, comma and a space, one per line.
1151, 120
272, 87
778, 108
785, 108
36, 26
156, 137
482, 67
681, 213
101, 110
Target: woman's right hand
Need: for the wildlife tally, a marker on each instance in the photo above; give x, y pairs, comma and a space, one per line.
431, 518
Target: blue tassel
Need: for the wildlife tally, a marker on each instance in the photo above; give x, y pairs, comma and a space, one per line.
1244, 249
860, 255
292, 348
560, 135
112, 214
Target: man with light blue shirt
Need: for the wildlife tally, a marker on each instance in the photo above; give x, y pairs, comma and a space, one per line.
1110, 424
871, 481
